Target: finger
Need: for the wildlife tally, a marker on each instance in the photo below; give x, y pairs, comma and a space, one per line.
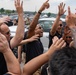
1, 37
55, 39
59, 8
46, 1
61, 4
64, 6
64, 11
18, 2
15, 3
63, 45
59, 41
21, 3
69, 11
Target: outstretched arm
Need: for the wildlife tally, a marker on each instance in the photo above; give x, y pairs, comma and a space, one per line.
20, 28
38, 61
33, 38
60, 13
36, 18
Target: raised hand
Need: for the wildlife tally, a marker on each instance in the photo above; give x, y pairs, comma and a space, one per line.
66, 30
61, 9
4, 46
4, 19
57, 44
19, 6
44, 6
70, 19
33, 38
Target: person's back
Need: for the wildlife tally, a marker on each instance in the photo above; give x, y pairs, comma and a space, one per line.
63, 62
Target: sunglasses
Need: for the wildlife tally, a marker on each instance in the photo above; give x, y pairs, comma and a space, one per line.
60, 24
7, 32
40, 27
68, 37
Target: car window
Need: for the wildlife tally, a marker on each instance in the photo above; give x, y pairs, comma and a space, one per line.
46, 25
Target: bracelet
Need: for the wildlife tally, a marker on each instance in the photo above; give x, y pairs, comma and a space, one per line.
39, 12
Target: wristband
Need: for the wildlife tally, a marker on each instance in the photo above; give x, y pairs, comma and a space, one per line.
39, 12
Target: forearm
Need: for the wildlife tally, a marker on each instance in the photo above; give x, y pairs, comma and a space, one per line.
20, 28
12, 63
55, 25
36, 63
19, 33
24, 42
19, 53
33, 25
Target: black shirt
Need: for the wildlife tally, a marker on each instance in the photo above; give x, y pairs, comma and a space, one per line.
33, 49
44, 68
51, 37
3, 67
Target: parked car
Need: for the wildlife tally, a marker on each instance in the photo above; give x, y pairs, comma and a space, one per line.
13, 30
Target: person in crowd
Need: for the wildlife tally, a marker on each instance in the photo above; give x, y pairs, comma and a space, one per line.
4, 29
71, 23
67, 35
56, 30
15, 22
35, 29
22, 47
34, 64
27, 21
35, 48
62, 61
11, 61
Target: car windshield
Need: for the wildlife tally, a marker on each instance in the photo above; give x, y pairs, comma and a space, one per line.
46, 24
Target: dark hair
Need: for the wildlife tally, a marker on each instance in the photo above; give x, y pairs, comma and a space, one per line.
7, 74
63, 62
9, 23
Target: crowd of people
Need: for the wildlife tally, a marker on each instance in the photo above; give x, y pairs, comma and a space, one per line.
60, 58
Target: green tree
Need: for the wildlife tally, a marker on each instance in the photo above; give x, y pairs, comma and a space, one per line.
8, 12
13, 11
2, 10
49, 14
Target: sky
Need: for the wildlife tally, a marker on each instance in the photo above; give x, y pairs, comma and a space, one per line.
34, 5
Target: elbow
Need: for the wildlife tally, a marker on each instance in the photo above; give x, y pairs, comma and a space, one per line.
18, 71
25, 71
